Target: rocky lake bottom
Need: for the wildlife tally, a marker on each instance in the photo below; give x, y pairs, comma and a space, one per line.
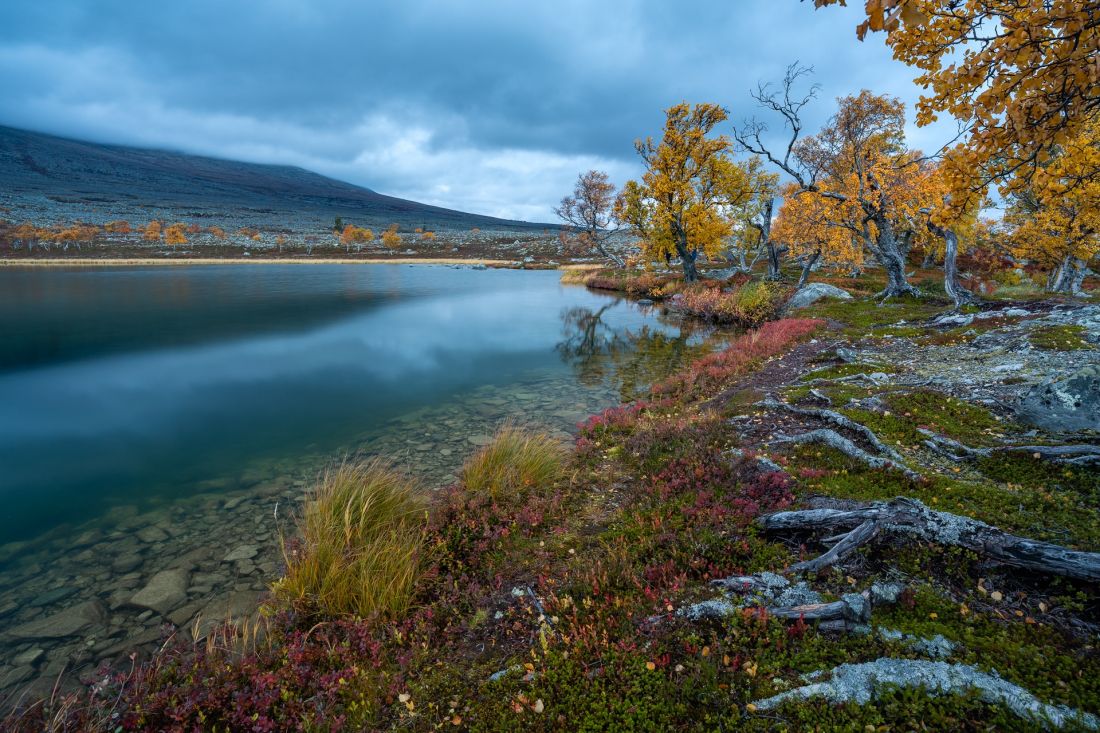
92, 594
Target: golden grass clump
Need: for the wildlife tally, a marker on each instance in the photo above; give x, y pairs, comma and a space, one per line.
361, 546
517, 460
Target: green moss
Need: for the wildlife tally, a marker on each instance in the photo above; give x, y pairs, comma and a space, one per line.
1082, 482
933, 411
847, 370
1060, 338
862, 316
1058, 516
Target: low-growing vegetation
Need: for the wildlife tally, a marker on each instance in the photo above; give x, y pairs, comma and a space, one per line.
359, 549
514, 462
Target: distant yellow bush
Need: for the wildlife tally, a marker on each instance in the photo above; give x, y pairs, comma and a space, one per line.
429, 236
153, 231
355, 235
391, 239
117, 227
175, 234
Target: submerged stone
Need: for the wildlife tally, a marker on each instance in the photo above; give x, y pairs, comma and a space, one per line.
67, 622
164, 591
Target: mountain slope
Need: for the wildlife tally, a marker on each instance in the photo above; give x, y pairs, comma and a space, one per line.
43, 176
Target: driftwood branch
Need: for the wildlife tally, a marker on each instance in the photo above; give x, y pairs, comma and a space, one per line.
911, 518
835, 440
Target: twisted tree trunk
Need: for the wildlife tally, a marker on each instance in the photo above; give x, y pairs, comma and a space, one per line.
958, 294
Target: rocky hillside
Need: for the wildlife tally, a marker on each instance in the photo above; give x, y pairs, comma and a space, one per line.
47, 179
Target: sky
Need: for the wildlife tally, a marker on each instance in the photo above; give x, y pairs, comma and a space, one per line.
487, 106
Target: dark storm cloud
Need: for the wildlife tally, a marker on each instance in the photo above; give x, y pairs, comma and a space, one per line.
488, 106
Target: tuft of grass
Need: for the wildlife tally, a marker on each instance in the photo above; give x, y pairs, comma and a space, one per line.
360, 549
515, 462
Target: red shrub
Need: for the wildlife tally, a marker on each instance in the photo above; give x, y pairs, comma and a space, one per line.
706, 374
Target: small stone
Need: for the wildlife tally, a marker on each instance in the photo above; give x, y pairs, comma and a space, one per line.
30, 656
152, 534
53, 596
240, 553
164, 591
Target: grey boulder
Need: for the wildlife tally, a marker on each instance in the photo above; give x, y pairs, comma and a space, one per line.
1066, 404
810, 294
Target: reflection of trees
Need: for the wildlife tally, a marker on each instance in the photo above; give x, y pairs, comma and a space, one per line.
629, 361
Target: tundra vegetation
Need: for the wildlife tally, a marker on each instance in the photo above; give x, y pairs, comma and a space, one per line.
849, 518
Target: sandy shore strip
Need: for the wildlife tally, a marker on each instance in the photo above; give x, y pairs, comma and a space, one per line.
132, 261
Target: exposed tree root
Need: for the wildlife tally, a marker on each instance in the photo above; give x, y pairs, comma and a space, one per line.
1074, 455
780, 598
835, 440
911, 518
861, 683
840, 420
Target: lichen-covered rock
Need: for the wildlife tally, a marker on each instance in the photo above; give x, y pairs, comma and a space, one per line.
814, 292
1069, 403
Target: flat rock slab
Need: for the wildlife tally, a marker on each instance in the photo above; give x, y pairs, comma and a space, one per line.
243, 552
165, 591
67, 622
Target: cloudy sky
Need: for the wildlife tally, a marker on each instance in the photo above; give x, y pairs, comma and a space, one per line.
489, 106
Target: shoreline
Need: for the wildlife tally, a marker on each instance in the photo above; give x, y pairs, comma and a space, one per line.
141, 261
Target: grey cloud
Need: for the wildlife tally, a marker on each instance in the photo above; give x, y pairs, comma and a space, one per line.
494, 106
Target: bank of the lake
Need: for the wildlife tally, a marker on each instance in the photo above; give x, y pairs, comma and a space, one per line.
161, 425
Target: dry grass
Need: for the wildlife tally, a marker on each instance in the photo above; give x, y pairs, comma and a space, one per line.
360, 549
516, 461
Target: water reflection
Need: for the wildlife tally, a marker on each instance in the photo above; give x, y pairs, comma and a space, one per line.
629, 359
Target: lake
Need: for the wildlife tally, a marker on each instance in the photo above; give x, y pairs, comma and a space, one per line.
158, 425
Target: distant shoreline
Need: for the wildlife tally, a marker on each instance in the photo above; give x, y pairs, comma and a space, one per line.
138, 261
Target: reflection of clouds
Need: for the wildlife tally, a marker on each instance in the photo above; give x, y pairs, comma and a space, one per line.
400, 348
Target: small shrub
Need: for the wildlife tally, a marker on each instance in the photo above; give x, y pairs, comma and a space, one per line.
360, 552
748, 305
516, 461
152, 231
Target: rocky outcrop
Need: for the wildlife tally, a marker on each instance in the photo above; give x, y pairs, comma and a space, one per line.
1066, 404
814, 292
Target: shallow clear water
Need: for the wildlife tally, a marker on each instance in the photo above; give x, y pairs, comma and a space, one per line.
154, 418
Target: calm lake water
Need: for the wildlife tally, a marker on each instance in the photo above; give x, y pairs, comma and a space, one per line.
153, 420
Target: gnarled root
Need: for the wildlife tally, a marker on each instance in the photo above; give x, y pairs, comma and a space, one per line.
835, 440
911, 518
839, 420
860, 683
1074, 455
